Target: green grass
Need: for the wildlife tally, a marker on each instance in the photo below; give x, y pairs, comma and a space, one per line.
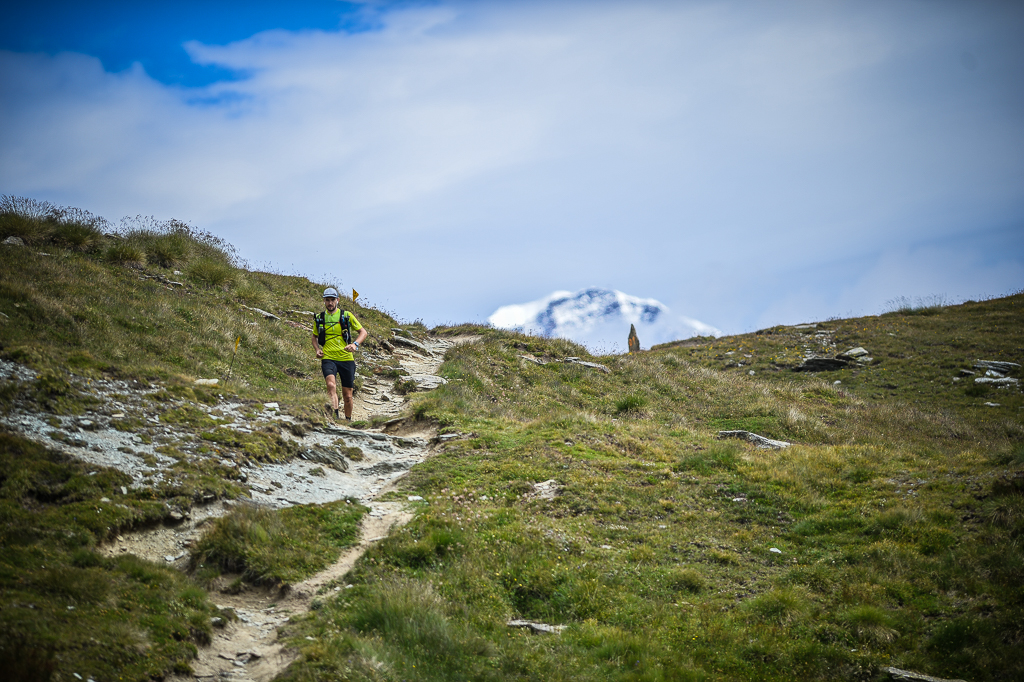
65, 607
286, 546
896, 515
897, 521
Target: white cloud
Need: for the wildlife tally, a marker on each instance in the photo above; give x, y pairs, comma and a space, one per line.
468, 155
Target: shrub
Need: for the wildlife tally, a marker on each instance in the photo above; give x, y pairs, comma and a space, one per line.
30, 230
212, 273
77, 236
125, 252
168, 250
631, 404
686, 580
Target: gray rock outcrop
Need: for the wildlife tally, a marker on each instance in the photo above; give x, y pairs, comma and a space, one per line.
997, 365
760, 441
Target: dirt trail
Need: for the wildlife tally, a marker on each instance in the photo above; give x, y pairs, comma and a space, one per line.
249, 648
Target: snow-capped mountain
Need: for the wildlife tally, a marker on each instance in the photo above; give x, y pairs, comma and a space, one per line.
599, 319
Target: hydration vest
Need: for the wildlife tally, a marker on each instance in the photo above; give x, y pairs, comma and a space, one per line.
319, 319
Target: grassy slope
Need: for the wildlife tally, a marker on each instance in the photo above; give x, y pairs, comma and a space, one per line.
899, 517
65, 608
897, 512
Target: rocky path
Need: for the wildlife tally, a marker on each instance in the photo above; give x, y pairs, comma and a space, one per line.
334, 463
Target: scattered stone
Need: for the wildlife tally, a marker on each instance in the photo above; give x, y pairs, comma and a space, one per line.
997, 365
217, 622
967, 373
409, 343
272, 406
415, 498
530, 358
17, 241
994, 374
87, 424
546, 490
427, 382
591, 365
805, 326
775, 550
898, 674
264, 313
855, 352
1004, 381
991, 404
760, 441
206, 382
537, 628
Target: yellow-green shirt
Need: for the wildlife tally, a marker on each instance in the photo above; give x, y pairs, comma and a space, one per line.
334, 347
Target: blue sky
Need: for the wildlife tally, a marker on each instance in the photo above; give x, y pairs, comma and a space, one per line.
746, 163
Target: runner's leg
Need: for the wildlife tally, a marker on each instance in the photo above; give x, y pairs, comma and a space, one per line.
347, 393
332, 390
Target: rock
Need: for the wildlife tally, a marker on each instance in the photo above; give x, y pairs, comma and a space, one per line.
87, 424
822, 364
330, 457
991, 404
760, 441
409, 343
1004, 381
633, 341
530, 358
591, 365
775, 550
265, 314
966, 373
427, 382
537, 628
994, 374
272, 406
206, 382
415, 498
855, 352
546, 490
14, 241
997, 365
217, 622
898, 674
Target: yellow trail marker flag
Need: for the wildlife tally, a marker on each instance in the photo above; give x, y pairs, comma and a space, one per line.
355, 295
236, 343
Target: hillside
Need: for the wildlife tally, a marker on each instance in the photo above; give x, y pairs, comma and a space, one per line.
593, 493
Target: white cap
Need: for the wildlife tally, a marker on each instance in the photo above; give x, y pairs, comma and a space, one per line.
331, 292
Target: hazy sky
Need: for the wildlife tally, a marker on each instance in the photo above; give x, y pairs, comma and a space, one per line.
746, 163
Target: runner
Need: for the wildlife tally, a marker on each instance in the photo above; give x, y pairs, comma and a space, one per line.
333, 345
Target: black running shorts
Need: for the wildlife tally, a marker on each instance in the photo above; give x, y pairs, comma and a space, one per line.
346, 371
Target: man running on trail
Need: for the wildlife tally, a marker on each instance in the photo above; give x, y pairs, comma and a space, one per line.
333, 345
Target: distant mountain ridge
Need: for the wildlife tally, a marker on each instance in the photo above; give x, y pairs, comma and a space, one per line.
599, 319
